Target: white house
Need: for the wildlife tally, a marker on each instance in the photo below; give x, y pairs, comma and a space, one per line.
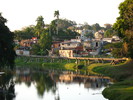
69, 45
109, 40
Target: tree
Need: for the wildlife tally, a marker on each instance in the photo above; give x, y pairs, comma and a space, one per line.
116, 49
89, 34
7, 53
43, 45
96, 27
109, 33
39, 26
62, 23
87, 26
25, 33
56, 14
63, 29
124, 26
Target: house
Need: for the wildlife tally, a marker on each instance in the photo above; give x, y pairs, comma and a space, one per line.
67, 45
25, 46
55, 47
111, 40
66, 53
108, 40
115, 38
93, 46
70, 48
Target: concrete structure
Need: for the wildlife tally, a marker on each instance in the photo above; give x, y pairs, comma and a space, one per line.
22, 52
69, 45
109, 40
66, 53
93, 46
116, 38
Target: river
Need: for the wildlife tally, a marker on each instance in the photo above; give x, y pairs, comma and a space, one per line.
27, 84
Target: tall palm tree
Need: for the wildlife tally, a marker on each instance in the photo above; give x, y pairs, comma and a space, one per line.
56, 14
39, 26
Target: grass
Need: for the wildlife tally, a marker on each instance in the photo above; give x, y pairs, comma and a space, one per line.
70, 66
120, 91
119, 72
91, 67
123, 73
63, 65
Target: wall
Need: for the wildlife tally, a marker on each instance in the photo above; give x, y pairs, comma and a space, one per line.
66, 53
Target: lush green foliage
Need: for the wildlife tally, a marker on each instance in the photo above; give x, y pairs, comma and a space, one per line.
109, 33
96, 27
87, 26
39, 26
124, 26
44, 42
89, 35
120, 91
43, 45
7, 53
25, 33
116, 49
63, 31
122, 72
119, 72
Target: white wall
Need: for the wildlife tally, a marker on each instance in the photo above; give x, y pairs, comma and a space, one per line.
22, 52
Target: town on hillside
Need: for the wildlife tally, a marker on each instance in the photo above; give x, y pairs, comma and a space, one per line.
87, 42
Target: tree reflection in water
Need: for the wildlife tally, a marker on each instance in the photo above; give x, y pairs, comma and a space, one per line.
46, 81
7, 90
42, 81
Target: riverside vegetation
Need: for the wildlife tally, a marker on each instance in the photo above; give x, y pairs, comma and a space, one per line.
122, 73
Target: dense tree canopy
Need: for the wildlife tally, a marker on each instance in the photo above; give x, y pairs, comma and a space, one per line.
7, 53
124, 26
63, 31
109, 33
43, 45
87, 26
25, 33
96, 27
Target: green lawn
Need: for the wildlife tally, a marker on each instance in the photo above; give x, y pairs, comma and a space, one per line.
123, 73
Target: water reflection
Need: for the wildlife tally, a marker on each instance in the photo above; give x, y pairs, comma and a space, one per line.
42, 80
45, 82
7, 91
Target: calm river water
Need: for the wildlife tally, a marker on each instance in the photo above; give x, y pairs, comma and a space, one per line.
26, 84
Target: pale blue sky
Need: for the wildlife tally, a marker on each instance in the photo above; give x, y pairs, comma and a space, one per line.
21, 13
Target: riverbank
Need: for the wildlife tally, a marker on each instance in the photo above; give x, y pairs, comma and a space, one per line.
56, 64
123, 73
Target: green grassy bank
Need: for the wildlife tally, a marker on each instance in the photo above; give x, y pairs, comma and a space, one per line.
123, 73
56, 64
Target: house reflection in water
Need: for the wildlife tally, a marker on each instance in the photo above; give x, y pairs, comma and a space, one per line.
88, 81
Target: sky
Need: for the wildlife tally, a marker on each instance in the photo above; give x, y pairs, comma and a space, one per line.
22, 13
